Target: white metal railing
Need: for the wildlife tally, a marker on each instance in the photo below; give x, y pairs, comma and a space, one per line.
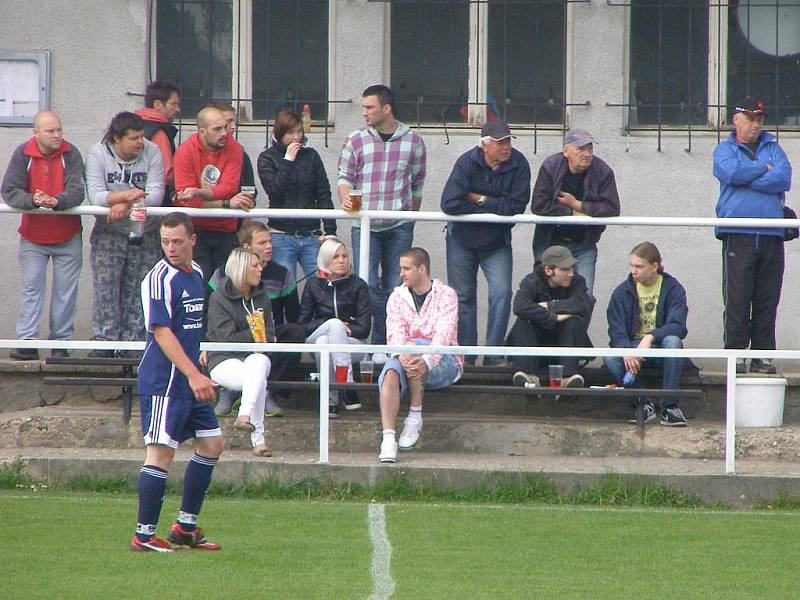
365, 217
325, 350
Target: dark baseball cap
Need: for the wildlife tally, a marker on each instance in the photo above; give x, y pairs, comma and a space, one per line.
497, 130
558, 256
579, 137
751, 107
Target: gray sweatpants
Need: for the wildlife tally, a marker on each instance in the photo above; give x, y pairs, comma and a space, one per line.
117, 272
33, 259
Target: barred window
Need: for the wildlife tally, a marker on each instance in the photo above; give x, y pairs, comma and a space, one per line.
691, 61
459, 61
260, 55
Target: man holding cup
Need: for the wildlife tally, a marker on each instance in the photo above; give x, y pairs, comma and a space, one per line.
420, 312
382, 167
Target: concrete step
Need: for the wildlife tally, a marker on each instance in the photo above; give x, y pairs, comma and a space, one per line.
706, 479
470, 435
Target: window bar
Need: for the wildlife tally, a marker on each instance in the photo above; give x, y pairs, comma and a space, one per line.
181, 46
720, 99
564, 102
777, 72
659, 68
690, 111
238, 67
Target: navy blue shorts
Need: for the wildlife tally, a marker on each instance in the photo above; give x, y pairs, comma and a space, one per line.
170, 421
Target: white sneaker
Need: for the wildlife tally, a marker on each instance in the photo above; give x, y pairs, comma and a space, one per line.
379, 358
410, 435
388, 450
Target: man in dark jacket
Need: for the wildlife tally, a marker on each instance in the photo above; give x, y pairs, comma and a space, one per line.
648, 310
574, 182
162, 106
45, 174
552, 308
754, 176
493, 178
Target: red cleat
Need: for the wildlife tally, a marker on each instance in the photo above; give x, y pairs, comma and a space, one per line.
154, 544
192, 539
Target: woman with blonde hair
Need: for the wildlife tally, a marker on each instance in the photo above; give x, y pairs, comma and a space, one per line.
240, 311
335, 309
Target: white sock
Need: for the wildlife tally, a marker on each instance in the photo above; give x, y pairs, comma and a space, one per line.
389, 433
415, 414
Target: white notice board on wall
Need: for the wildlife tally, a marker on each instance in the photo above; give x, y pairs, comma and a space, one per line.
24, 85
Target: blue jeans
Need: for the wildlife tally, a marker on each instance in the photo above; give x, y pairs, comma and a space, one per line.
288, 250
462, 275
671, 366
585, 254
442, 375
385, 248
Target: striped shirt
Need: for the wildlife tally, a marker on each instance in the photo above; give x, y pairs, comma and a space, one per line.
170, 298
388, 173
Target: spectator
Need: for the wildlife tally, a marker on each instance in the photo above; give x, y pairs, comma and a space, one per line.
45, 174
282, 292
648, 310
552, 308
240, 312
208, 168
174, 396
335, 310
294, 177
122, 170
422, 311
754, 176
162, 106
386, 161
574, 182
493, 178
247, 178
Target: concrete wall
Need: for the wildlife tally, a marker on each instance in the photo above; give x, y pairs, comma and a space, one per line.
99, 55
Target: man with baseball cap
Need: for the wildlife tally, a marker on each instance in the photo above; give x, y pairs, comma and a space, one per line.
574, 182
492, 178
754, 176
552, 307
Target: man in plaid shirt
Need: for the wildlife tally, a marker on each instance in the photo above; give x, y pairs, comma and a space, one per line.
386, 161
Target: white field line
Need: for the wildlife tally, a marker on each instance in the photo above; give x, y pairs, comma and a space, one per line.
382, 582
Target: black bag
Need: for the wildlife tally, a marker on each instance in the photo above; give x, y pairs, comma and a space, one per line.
790, 233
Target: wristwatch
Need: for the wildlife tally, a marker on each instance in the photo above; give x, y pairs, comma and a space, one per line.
226, 204
481, 200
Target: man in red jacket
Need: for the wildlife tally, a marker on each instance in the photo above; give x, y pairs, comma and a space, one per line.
45, 174
207, 171
162, 106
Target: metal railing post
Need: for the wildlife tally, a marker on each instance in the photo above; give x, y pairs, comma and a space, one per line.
730, 417
324, 393
363, 254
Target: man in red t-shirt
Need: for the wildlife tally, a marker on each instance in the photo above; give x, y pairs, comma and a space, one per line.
207, 171
45, 174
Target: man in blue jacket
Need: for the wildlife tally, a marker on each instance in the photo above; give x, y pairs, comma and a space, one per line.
492, 178
754, 176
648, 310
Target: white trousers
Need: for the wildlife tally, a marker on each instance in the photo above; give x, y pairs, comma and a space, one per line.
333, 331
248, 376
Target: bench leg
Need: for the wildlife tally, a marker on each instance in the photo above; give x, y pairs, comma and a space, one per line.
127, 397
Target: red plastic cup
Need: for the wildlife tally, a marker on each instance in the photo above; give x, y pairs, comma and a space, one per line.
341, 373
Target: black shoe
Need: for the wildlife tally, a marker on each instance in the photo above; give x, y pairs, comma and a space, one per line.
24, 354
672, 416
59, 353
351, 401
741, 366
496, 361
649, 411
762, 366
134, 354
333, 411
100, 354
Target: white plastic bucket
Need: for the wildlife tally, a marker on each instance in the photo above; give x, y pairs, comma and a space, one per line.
759, 401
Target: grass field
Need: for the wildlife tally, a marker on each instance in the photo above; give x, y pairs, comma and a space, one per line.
65, 545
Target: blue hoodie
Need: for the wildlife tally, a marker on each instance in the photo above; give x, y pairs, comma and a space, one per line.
748, 189
507, 191
623, 313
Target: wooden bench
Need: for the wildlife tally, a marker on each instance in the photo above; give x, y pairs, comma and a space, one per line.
128, 382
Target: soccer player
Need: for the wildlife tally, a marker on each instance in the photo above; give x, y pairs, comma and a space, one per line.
175, 397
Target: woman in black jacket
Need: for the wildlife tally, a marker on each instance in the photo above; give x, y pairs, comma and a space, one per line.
239, 311
294, 177
335, 309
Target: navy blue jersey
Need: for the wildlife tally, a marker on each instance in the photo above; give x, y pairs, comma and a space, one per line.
170, 298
